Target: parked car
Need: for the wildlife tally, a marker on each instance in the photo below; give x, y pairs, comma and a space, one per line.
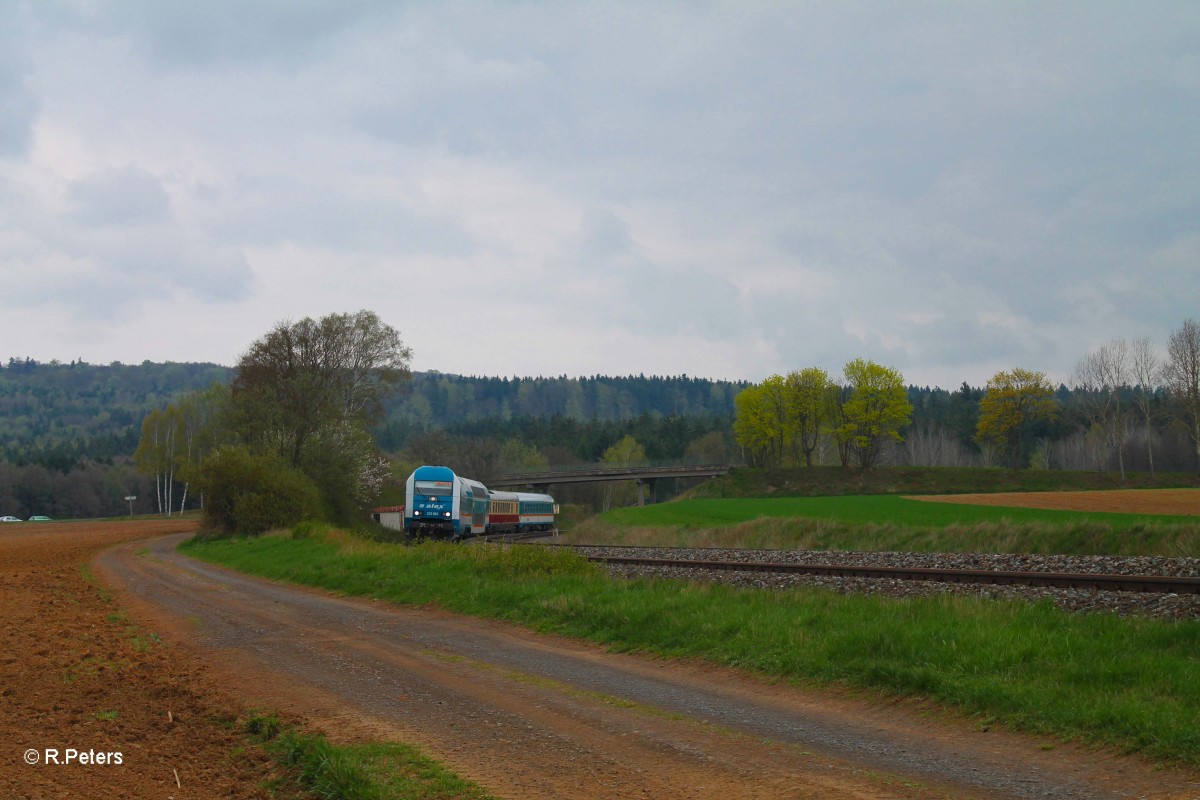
39, 519
9, 519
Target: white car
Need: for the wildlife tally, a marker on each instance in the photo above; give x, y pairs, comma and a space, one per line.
9, 519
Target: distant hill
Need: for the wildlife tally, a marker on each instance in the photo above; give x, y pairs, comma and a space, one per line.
58, 414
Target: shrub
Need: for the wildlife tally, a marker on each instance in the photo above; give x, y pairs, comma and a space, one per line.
247, 494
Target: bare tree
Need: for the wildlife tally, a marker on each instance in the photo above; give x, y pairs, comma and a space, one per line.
1146, 371
1181, 375
1100, 377
934, 445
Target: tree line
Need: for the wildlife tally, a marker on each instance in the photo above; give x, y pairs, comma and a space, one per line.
60, 415
1126, 408
1130, 406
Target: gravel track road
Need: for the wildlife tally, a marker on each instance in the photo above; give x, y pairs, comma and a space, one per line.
532, 716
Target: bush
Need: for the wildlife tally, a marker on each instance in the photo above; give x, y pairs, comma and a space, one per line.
247, 494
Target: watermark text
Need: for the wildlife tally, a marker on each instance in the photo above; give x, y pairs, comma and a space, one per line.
52, 756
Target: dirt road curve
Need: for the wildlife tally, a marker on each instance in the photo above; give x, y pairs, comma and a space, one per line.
531, 716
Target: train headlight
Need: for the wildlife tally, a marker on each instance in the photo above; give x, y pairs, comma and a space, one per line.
416, 513
447, 513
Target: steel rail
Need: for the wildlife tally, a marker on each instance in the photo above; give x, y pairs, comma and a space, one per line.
1062, 580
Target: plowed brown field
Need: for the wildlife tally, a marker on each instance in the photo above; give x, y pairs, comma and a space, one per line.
1124, 501
77, 674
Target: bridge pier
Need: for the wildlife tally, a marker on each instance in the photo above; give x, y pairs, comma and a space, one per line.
653, 484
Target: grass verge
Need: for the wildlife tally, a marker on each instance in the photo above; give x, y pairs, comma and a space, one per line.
1129, 683
364, 771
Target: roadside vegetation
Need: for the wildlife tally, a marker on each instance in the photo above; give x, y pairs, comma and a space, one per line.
889, 523
361, 771
1124, 682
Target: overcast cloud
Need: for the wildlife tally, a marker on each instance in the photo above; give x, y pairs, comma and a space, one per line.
722, 189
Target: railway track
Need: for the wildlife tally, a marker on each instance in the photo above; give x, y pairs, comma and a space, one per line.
1060, 580
525, 536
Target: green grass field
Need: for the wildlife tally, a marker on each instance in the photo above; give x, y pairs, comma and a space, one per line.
889, 523
1129, 683
863, 509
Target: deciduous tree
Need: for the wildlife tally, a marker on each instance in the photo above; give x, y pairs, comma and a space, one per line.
875, 410
1011, 402
809, 398
158, 453
763, 424
306, 392
626, 451
307, 375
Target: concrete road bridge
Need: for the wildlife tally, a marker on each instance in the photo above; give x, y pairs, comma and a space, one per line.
642, 473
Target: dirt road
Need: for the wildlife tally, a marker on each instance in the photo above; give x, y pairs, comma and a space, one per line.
532, 716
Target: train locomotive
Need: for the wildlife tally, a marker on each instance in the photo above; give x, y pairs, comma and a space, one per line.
440, 504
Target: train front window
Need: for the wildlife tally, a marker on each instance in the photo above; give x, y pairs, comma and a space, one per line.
433, 488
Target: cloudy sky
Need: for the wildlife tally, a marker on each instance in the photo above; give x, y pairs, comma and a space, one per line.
720, 189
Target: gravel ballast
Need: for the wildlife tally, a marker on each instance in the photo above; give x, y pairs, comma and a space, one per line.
1151, 604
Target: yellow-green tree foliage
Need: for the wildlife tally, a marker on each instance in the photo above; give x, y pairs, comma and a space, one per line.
621, 493
810, 393
763, 424
1013, 401
876, 409
783, 418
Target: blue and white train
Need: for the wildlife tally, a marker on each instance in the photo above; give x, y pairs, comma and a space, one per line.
442, 505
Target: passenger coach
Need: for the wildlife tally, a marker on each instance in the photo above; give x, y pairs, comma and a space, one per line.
535, 512
516, 512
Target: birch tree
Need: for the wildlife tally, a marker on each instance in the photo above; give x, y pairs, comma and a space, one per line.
157, 454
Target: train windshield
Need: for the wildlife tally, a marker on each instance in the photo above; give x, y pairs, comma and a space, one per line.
436, 488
